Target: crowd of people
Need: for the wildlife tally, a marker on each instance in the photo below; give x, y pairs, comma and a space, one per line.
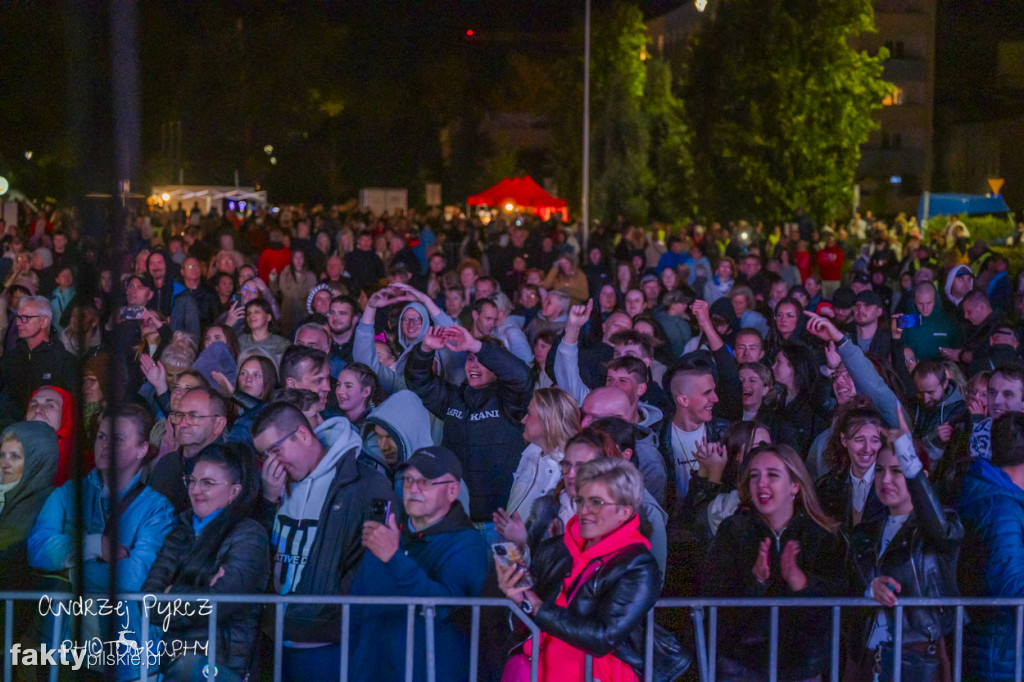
309, 402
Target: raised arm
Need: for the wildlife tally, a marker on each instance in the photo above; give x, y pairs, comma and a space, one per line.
567, 357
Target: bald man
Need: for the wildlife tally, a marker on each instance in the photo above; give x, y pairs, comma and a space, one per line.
609, 401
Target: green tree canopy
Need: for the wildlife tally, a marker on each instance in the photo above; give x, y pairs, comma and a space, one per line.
779, 103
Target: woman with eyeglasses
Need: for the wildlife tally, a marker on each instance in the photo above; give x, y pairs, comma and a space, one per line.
611, 582
215, 548
779, 543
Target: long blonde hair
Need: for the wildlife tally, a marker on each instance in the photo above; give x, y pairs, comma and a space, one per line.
805, 496
560, 416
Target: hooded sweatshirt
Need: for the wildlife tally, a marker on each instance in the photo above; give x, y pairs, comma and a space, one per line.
66, 438
23, 501
295, 524
406, 421
949, 286
392, 379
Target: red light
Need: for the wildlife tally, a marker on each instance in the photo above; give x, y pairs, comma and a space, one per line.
469, 32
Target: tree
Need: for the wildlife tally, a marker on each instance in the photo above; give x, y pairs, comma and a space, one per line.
671, 195
779, 103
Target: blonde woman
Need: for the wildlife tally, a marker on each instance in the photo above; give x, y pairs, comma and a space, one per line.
552, 418
779, 543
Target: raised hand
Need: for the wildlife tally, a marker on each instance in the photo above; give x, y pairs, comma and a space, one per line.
154, 373
579, 315
762, 569
822, 327
791, 572
461, 341
832, 358
435, 339
235, 313
702, 312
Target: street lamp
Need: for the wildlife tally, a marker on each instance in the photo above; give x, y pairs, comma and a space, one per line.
586, 127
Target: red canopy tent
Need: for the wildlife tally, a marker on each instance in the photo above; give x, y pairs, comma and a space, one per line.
525, 195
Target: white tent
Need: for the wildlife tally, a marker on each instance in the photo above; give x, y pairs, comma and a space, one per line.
208, 196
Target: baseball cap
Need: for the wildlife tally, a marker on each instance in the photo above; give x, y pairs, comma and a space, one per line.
843, 298
860, 278
648, 278
870, 297
962, 270
434, 462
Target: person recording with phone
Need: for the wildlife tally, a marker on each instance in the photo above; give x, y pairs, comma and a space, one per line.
433, 550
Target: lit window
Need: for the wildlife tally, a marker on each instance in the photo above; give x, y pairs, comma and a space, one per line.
893, 98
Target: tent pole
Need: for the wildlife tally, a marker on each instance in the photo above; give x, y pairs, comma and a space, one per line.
585, 200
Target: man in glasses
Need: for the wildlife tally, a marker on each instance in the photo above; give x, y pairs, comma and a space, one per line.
35, 361
316, 497
201, 419
434, 551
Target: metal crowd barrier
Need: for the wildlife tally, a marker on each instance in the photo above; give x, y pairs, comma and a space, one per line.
705, 641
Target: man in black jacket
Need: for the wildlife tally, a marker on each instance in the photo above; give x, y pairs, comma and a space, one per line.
35, 361
363, 264
316, 498
482, 417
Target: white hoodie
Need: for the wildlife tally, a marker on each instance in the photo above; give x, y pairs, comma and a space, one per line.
295, 523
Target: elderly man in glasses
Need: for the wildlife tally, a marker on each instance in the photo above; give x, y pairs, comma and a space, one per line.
35, 361
432, 550
201, 419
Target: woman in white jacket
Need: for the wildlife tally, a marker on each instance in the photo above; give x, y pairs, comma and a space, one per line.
552, 419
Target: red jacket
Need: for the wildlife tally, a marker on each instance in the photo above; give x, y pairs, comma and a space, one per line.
272, 259
830, 264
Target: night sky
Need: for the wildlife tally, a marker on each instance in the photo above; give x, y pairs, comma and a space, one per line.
239, 75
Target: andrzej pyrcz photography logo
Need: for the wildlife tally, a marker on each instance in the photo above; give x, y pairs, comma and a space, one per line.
131, 648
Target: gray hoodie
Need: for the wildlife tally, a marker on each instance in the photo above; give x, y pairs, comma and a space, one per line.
295, 524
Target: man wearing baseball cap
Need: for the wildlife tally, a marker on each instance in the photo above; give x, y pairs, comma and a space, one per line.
873, 337
434, 551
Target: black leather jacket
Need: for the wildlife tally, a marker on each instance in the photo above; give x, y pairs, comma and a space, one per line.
744, 634
835, 492
921, 557
609, 611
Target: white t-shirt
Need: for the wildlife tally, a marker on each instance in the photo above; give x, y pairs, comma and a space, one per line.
684, 445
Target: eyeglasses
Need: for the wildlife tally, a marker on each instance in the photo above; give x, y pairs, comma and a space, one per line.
277, 443
569, 466
594, 503
412, 321
190, 417
423, 483
25, 318
204, 484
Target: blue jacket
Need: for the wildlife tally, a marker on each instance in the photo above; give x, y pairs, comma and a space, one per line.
142, 529
448, 559
992, 564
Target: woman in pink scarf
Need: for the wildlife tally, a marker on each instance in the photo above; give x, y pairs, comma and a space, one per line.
612, 583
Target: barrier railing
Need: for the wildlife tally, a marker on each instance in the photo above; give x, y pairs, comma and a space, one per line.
705, 641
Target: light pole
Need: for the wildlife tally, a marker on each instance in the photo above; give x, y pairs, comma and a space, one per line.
586, 128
